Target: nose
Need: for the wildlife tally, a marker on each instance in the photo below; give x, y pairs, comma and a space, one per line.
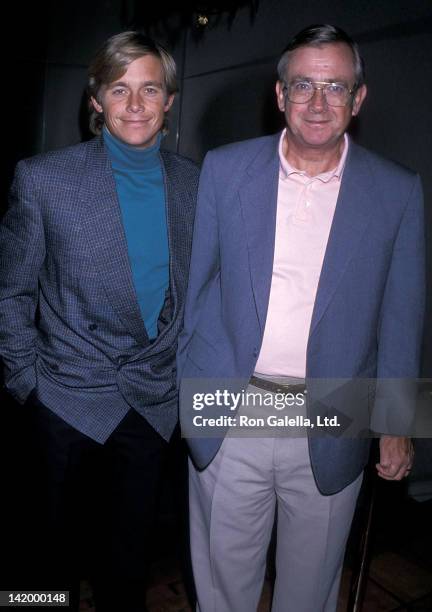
135, 103
318, 102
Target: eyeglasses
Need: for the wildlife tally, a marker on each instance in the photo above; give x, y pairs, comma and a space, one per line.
336, 94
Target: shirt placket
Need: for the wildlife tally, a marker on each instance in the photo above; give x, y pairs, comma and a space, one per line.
302, 212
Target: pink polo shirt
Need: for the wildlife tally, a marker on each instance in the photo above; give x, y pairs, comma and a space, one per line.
305, 210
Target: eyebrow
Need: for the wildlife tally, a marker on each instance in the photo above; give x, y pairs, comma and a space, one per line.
301, 77
144, 84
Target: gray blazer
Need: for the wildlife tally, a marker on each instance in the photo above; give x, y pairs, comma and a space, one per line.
70, 324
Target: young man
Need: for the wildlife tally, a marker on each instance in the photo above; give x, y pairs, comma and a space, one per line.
94, 254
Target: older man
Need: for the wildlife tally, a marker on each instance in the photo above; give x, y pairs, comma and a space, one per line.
94, 255
307, 266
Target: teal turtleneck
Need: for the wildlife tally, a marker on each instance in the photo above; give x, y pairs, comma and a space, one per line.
140, 189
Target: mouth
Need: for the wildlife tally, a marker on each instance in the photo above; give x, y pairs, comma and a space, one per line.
135, 121
317, 125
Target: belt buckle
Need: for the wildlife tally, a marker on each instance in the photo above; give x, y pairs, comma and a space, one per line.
292, 388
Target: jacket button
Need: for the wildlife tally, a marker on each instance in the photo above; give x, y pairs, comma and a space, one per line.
92, 326
121, 361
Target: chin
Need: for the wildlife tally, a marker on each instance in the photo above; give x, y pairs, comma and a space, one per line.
319, 139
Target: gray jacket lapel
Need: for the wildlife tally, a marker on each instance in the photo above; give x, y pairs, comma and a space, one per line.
354, 208
106, 239
258, 197
176, 219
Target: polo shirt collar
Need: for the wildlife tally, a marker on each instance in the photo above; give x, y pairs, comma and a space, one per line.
286, 169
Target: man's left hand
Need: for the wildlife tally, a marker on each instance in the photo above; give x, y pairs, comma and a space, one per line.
396, 457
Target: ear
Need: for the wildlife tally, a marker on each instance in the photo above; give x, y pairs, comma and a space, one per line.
168, 103
98, 108
358, 100
280, 96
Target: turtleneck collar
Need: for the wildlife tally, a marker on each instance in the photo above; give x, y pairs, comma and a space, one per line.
133, 159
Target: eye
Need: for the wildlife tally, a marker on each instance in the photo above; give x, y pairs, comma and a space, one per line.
118, 91
301, 86
151, 91
336, 88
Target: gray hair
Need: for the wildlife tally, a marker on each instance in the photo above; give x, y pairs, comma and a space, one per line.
112, 60
322, 34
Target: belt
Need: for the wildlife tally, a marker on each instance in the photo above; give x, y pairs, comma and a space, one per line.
274, 387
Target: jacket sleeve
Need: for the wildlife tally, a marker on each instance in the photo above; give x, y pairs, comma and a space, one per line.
401, 324
205, 262
22, 252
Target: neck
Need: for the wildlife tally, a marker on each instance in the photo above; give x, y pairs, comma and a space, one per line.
128, 157
310, 160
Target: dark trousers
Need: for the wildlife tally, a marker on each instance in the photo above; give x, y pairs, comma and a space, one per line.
96, 508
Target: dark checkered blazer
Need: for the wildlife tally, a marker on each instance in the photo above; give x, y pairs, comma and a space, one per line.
70, 325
